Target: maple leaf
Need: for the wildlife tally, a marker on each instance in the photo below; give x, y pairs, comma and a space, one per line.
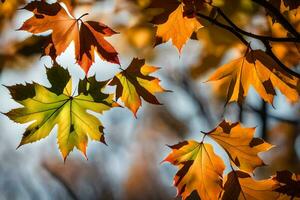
46, 107
177, 22
135, 82
240, 145
200, 169
240, 185
259, 70
87, 36
289, 183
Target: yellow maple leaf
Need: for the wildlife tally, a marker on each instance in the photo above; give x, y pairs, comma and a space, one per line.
178, 28
46, 107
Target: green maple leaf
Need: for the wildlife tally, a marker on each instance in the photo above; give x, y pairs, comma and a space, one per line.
46, 107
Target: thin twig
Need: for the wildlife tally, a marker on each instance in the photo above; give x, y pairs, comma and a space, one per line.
251, 108
229, 28
264, 40
259, 37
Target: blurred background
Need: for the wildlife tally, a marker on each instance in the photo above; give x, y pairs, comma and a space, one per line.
130, 166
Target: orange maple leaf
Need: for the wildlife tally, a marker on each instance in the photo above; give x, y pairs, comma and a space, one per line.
259, 70
240, 145
240, 185
177, 22
200, 169
88, 36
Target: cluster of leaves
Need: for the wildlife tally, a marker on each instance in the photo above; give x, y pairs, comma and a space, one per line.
58, 105
200, 169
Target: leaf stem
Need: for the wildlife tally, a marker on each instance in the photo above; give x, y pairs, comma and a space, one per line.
85, 14
204, 135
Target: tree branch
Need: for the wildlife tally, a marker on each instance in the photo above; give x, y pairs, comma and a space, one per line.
251, 108
228, 28
264, 40
238, 33
259, 37
274, 57
280, 18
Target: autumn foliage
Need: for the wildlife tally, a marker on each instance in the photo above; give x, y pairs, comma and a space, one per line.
269, 70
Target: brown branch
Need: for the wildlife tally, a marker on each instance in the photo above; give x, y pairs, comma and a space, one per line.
265, 41
259, 37
251, 108
274, 57
280, 18
226, 27
237, 32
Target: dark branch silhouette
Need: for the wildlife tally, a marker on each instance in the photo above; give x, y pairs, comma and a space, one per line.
281, 19
239, 34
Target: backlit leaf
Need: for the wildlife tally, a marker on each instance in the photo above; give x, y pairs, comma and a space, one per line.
176, 21
240, 185
46, 107
259, 70
240, 145
135, 82
200, 169
87, 36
